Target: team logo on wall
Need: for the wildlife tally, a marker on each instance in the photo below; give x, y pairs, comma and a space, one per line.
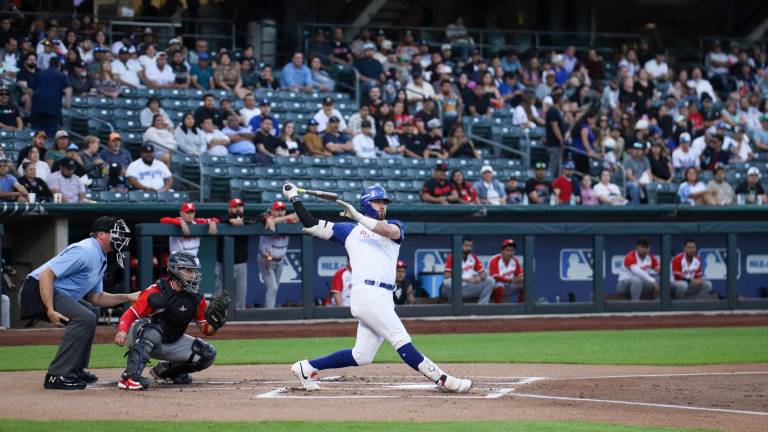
576, 264
291, 267
430, 260
757, 264
327, 265
714, 263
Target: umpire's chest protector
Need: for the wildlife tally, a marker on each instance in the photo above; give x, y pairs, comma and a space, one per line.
179, 311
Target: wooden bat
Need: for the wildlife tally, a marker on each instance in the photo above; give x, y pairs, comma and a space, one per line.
330, 196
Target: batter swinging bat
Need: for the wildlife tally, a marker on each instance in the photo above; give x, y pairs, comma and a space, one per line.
330, 196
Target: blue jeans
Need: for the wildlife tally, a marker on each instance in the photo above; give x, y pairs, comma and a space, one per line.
633, 190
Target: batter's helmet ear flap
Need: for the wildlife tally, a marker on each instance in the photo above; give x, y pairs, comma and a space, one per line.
372, 193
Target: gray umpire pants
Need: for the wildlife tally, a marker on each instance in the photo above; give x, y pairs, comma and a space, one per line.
5, 311
634, 287
241, 282
683, 290
482, 290
179, 351
271, 270
75, 348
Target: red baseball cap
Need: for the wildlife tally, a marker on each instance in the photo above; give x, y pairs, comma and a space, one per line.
508, 242
188, 207
401, 264
236, 202
278, 205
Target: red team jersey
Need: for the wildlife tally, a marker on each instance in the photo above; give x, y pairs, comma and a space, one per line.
470, 267
142, 309
342, 284
647, 263
682, 269
504, 272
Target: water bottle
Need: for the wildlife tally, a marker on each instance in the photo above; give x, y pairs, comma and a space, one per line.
760, 199
552, 199
525, 199
740, 199
573, 199
557, 299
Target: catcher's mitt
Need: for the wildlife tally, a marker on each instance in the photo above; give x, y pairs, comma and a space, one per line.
216, 313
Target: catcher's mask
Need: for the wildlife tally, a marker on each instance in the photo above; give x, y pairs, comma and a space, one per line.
118, 232
179, 261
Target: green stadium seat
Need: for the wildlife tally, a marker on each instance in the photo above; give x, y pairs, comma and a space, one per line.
141, 196
128, 124
351, 197
349, 185
417, 184
289, 160
661, 193
272, 196
369, 162
391, 162
92, 195
395, 172
177, 104
323, 184
100, 112
270, 184
240, 160
129, 92
111, 196
423, 173
267, 171
242, 172
400, 185
504, 163
172, 196
25, 134
128, 103
370, 172
100, 101
416, 163
125, 113
406, 197
243, 188
374, 182
79, 102
320, 172
346, 173
316, 161
293, 172
211, 160
216, 186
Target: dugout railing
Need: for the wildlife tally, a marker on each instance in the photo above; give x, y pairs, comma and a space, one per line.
146, 233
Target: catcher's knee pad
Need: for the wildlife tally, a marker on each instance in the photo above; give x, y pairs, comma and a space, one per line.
203, 355
148, 336
151, 332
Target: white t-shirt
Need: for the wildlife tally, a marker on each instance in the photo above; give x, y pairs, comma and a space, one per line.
683, 160
492, 196
412, 91
656, 70
322, 120
161, 77
128, 71
520, 117
145, 61
745, 150
610, 191
364, 146
718, 57
151, 176
697, 146
248, 113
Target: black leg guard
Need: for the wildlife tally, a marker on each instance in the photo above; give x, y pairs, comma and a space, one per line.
147, 338
202, 357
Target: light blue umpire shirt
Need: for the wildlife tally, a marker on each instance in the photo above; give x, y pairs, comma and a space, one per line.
79, 269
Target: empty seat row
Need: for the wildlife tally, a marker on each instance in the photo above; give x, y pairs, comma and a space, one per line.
138, 196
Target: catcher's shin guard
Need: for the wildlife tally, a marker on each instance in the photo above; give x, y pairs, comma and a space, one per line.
148, 336
202, 357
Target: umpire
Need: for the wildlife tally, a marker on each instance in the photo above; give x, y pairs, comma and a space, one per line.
53, 292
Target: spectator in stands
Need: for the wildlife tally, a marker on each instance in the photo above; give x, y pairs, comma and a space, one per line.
82, 83
267, 79
10, 118
538, 188
687, 282
160, 136
226, 108
370, 69
201, 47
116, 180
249, 75
105, 83
607, 193
153, 108
125, 44
322, 80
44, 57
71, 152
583, 141
201, 74
227, 75
312, 141
249, 109
10, 189
403, 293
639, 273
388, 141
683, 157
340, 51
739, 146
188, 243
427, 111
460, 145
451, 105
717, 66
761, 135
289, 147
750, 191
489, 190
191, 139
414, 140
180, 70
148, 174
266, 143
334, 139
507, 272
209, 110
588, 195
149, 56
400, 115
65, 182
657, 67
34, 184
42, 169
714, 153
475, 280
60, 143
99, 56
437, 190
89, 157
296, 75
47, 87
437, 146
128, 70
700, 85
114, 153
266, 112
566, 187
514, 192
325, 113
363, 142
637, 170
662, 170
240, 137
216, 141
356, 119
467, 193
160, 74
554, 131
418, 88
720, 190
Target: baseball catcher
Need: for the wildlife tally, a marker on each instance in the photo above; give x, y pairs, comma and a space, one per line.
154, 326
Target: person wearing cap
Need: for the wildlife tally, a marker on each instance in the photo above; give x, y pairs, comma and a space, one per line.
335, 140
538, 188
437, 190
115, 153
683, 157
507, 271
356, 119
325, 113
566, 187
160, 74
750, 191
10, 188
82, 83
363, 143
266, 112
418, 88
403, 293
201, 73
272, 250
312, 142
65, 182
637, 169
714, 153
369, 69
761, 134
475, 281
94, 66
127, 69
10, 118
296, 75
451, 106
489, 190
739, 146
188, 243
235, 217
149, 174
72, 152
54, 292
436, 145
59, 150
44, 57
48, 86
722, 192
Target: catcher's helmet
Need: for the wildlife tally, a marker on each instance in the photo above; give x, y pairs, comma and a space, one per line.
372, 193
184, 260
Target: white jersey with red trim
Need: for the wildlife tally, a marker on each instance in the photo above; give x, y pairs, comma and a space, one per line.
504, 272
470, 267
684, 269
645, 264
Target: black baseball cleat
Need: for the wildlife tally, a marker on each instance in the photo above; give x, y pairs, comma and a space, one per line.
87, 376
58, 382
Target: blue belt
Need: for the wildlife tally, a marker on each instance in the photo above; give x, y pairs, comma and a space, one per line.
380, 284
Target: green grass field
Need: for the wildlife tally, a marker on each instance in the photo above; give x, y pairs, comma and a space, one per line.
697, 346
121, 426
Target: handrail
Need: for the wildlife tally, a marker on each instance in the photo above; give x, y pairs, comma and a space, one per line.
525, 156
611, 164
91, 117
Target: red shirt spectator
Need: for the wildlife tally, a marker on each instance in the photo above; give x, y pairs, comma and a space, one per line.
186, 217
437, 190
467, 193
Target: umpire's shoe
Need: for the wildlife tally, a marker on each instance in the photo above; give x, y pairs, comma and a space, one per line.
87, 376
58, 382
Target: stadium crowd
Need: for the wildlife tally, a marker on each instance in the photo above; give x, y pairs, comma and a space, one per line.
634, 121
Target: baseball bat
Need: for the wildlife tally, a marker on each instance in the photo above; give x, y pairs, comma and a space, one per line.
330, 196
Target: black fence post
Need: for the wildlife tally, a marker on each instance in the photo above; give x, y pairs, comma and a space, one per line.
457, 294
598, 269
307, 271
528, 270
666, 259
144, 278
733, 263
228, 274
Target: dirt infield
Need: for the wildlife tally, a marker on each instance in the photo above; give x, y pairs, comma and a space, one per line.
105, 334
720, 397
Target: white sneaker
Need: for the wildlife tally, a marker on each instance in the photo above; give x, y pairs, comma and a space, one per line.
306, 374
449, 384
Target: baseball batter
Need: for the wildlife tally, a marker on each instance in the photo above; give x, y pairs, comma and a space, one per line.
372, 244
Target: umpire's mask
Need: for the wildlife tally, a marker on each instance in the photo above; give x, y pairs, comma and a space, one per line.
179, 261
118, 231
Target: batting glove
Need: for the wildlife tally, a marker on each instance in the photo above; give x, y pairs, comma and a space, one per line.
290, 191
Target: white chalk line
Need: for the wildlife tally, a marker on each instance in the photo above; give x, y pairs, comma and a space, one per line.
645, 404
672, 375
271, 393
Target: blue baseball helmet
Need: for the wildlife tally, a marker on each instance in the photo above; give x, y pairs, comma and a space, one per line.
372, 193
